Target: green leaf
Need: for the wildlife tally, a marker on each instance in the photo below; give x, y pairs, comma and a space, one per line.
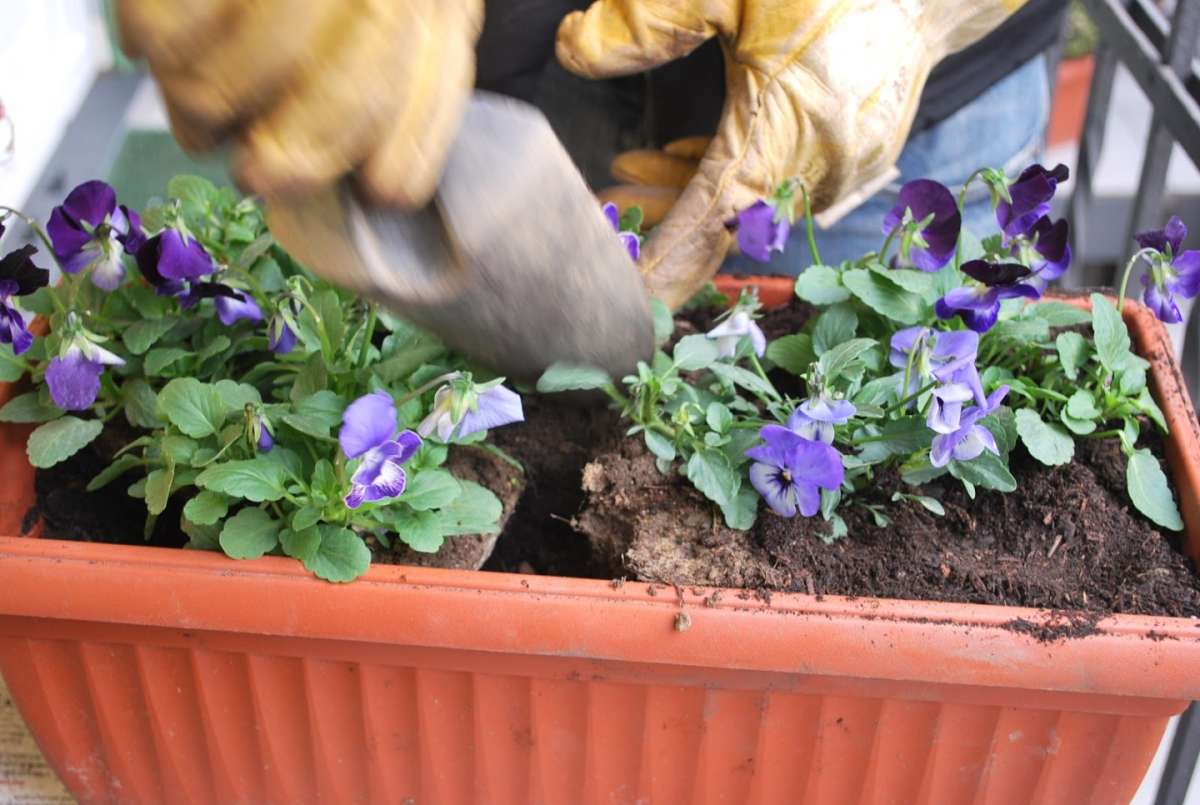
141, 404
1146, 404
837, 359
214, 347
1060, 314
718, 417
1072, 353
249, 534
836, 325
158, 488
1021, 330
1003, 426
1082, 427
744, 378
160, 358
304, 518
236, 396
141, 335
570, 377
28, 407
257, 479
918, 470
631, 219
922, 283
664, 322
694, 352
884, 296
1131, 380
201, 537
475, 511
821, 285
330, 307
119, 467
421, 531
12, 367
1049, 444
195, 408
793, 353
431, 489
659, 445
711, 473
1112, 339
60, 439
742, 511
206, 507
988, 471
1082, 405
194, 193
300, 543
1150, 490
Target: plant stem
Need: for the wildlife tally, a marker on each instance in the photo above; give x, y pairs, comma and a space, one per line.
424, 387
763, 375
322, 333
902, 404
808, 227
962, 200
364, 351
1129, 272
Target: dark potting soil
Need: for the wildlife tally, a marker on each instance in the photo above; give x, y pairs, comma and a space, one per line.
594, 505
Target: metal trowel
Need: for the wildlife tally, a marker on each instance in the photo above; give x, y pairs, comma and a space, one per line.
512, 263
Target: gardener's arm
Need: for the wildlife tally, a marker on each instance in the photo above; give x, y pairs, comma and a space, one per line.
823, 91
310, 90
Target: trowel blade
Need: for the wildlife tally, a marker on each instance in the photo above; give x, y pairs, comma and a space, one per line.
513, 263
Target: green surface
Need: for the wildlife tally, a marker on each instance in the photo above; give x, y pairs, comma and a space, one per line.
148, 159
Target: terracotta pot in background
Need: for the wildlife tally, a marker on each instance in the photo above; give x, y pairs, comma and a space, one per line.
1070, 99
156, 675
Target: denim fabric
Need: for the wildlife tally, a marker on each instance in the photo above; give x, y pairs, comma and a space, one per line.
1003, 128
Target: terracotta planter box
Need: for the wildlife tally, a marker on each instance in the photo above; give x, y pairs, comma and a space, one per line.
155, 675
1072, 84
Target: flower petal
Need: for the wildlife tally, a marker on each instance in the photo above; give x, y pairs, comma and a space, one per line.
613, 215
367, 422
1187, 269
240, 307
808, 498
18, 268
182, 260
816, 463
495, 407
74, 381
768, 481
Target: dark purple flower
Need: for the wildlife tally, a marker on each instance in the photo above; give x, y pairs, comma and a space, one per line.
238, 307
760, 230
790, 471
1031, 194
89, 230
729, 333
1046, 248
1172, 272
979, 305
18, 277
74, 376
265, 441
929, 208
947, 357
969, 439
168, 260
628, 239
280, 337
492, 408
369, 434
815, 418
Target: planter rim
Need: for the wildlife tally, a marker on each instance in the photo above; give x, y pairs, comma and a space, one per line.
965, 644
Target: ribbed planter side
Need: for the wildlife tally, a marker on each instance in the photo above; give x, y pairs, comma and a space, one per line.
152, 675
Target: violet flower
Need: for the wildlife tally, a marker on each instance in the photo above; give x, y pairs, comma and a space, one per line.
947, 357
628, 239
369, 434
74, 376
969, 439
281, 338
815, 418
789, 471
238, 307
760, 229
979, 305
927, 218
1046, 249
1031, 194
89, 231
1172, 272
729, 333
484, 409
945, 408
171, 259
18, 277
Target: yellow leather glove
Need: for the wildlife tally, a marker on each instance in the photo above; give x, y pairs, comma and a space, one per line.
313, 89
821, 90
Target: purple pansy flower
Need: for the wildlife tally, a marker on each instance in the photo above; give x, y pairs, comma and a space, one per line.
240, 306
969, 439
18, 277
945, 408
281, 338
170, 259
628, 239
760, 230
74, 376
815, 418
369, 434
730, 332
1047, 250
1172, 273
89, 231
1031, 194
930, 205
947, 357
979, 305
265, 440
790, 471
493, 407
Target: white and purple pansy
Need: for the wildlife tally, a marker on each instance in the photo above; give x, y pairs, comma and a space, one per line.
816, 417
928, 355
483, 409
369, 434
979, 305
790, 471
927, 219
629, 240
760, 229
74, 375
1173, 272
729, 333
171, 259
969, 439
90, 231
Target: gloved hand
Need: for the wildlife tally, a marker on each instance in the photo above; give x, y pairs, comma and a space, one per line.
821, 90
313, 89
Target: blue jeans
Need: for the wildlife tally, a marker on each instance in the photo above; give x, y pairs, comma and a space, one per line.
1002, 128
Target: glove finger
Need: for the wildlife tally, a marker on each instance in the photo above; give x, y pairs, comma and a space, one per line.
655, 202
248, 67
171, 32
335, 109
405, 168
688, 147
619, 37
652, 167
